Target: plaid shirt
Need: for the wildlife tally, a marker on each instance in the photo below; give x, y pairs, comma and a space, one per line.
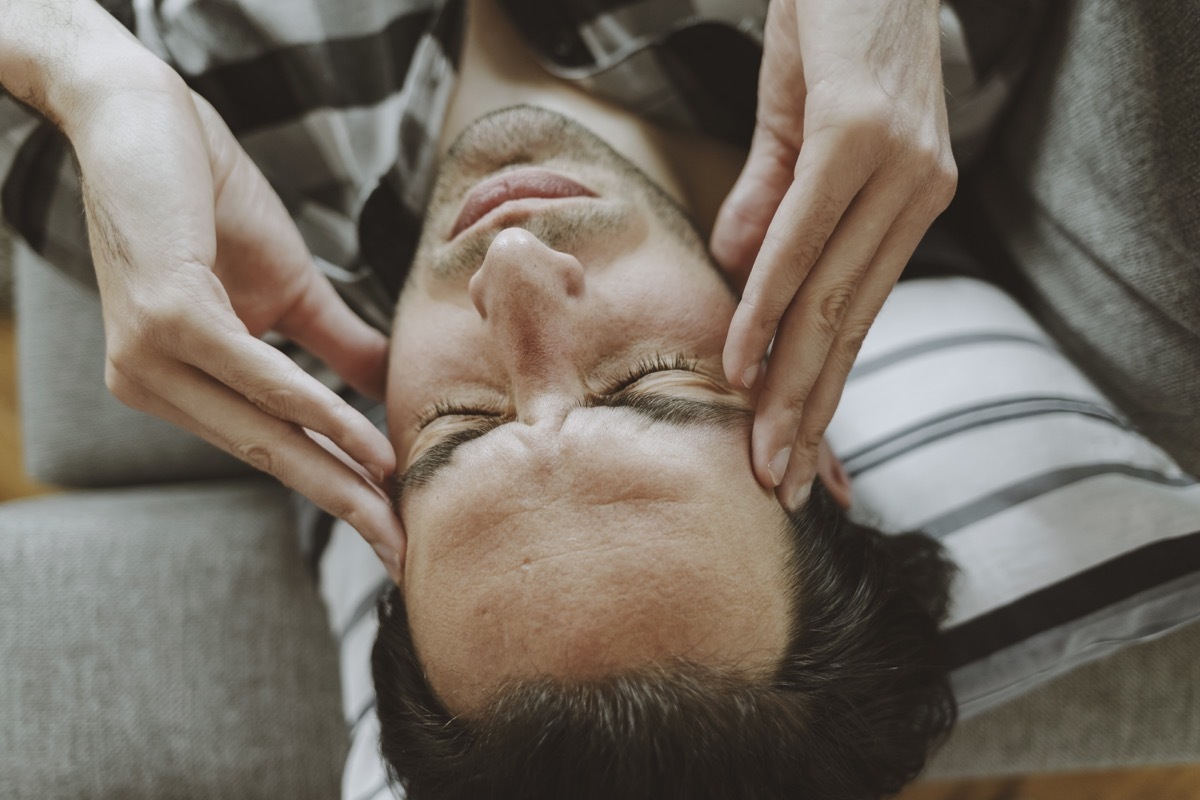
341, 103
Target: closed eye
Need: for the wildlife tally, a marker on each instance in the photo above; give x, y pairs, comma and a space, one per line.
648, 366
642, 368
443, 408
655, 406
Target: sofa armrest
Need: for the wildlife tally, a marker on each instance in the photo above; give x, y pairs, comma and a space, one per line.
1138, 708
75, 432
164, 642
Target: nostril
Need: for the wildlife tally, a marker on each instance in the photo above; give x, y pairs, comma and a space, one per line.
519, 271
573, 274
475, 290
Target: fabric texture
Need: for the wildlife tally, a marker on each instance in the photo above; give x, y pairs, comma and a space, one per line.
1095, 193
74, 432
341, 105
1075, 537
1139, 707
163, 643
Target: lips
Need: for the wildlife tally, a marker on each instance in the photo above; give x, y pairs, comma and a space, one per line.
517, 184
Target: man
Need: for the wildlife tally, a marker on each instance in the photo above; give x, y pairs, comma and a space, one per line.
816, 633
598, 598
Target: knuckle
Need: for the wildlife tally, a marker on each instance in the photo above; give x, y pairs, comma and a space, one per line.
259, 455
944, 182
832, 309
853, 337
279, 401
341, 419
346, 509
153, 321
762, 313
792, 403
801, 258
809, 439
767, 322
126, 352
122, 387
871, 118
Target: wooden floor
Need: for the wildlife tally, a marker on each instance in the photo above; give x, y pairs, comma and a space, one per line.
13, 483
1173, 783
1160, 783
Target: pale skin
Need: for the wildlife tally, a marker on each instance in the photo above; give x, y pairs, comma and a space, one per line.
569, 539
849, 165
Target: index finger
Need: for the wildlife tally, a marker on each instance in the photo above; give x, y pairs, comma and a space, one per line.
275, 384
218, 415
807, 216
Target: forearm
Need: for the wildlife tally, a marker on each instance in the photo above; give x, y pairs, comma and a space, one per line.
62, 57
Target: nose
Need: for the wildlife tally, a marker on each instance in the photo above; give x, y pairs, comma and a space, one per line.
529, 296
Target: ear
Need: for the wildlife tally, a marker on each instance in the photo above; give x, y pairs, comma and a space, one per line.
833, 475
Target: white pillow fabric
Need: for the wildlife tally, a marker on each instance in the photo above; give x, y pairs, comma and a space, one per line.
1074, 535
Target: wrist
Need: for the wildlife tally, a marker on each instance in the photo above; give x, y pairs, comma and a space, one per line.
63, 57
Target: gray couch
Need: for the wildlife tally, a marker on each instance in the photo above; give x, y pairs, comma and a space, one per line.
160, 636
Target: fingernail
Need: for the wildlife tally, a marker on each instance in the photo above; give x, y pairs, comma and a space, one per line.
749, 375
778, 465
801, 495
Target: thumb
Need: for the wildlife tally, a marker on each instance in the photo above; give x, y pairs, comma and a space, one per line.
322, 323
744, 217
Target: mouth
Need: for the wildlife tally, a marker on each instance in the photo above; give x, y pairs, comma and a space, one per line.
519, 184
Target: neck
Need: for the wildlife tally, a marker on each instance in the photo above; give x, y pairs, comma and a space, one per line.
497, 71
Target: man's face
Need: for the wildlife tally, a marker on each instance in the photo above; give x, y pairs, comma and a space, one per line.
578, 495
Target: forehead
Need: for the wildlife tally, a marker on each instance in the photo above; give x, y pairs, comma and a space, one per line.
620, 541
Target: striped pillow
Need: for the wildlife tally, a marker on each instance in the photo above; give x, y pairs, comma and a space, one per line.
1075, 536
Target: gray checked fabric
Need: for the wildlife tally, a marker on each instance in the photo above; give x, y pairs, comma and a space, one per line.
341, 104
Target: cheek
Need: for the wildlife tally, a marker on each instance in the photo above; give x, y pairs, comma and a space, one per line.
428, 337
695, 314
429, 345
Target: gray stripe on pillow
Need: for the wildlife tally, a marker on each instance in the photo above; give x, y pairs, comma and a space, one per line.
902, 354
992, 679
950, 423
1017, 493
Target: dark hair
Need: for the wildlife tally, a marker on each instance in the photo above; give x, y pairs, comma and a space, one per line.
856, 703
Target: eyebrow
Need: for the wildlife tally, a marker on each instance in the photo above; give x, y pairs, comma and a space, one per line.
671, 409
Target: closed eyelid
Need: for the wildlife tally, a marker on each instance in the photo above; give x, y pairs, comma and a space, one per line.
422, 471
658, 407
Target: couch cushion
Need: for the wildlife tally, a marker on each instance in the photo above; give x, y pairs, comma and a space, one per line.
1094, 191
75, 433
163, 643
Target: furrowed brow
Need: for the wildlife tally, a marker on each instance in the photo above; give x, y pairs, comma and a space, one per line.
436, 458
676, 410
671, 409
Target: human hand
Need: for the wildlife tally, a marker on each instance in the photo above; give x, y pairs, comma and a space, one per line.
849, 165
196, 257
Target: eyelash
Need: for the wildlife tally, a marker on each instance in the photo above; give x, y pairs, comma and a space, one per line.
656, 363
642, 367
